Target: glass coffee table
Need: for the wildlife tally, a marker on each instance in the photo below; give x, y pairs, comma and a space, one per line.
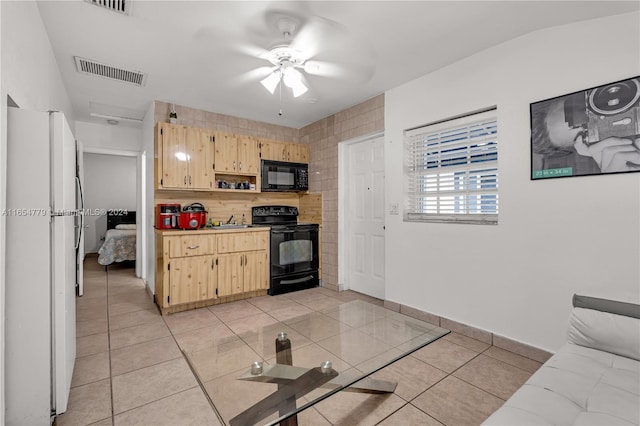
269, 374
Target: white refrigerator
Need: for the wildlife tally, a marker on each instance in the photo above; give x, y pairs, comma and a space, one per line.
43, 227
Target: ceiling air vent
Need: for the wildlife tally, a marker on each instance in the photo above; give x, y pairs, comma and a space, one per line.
88, 66
120, 6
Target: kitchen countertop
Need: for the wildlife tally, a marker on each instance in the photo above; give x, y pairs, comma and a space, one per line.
214, 230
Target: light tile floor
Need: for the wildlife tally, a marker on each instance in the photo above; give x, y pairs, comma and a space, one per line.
130, 369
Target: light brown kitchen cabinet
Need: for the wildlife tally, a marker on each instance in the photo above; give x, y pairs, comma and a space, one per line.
236, 155
284, 151
192, 279
248, 156
196, 268
298, 152
242, 272
185, 157
190, 264
256, 271
273, 150
200, 154
243, 262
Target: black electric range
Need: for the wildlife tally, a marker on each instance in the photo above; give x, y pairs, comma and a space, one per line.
293, 251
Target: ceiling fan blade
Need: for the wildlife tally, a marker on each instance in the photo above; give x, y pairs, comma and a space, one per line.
251, 76
309, 38
323, 68
330, 49
347, 72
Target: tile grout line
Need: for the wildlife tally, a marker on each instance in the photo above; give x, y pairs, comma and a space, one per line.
111, 371
410, 402
192, 367
202, 387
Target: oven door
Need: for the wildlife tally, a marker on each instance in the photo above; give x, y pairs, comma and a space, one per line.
294, 249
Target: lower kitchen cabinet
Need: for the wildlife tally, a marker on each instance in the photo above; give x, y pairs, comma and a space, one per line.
192, 279
205, 267
242, 272
243, 262
256, 271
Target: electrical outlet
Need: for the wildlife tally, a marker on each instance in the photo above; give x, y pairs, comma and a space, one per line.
394, 209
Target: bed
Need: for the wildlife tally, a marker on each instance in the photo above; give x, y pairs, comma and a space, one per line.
120, 240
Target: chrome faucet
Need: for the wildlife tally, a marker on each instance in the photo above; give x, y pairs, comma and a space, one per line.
229, 221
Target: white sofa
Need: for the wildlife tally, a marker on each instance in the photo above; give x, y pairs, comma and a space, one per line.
594, 379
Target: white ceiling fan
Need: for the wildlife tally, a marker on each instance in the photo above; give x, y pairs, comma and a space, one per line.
286, 61
310, 46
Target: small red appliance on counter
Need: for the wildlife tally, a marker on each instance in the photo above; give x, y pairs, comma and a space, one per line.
193, 216
167, 216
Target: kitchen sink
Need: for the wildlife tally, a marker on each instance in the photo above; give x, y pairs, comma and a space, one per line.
233, 226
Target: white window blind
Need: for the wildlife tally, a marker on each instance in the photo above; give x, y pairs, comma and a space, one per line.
451, 170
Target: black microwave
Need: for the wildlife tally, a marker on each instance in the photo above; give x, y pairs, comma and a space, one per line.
284, 177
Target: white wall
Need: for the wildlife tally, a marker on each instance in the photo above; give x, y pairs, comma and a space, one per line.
109, 183
555, 237
148, 220
29, 70
29, 74
105, 136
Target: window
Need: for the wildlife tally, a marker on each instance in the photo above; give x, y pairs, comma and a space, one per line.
451, 170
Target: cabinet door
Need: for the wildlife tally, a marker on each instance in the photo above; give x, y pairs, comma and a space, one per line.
230, 274
298, 152
200, 147
256, 271
174, 157
272, 150
248, 156
226, 153
189, 279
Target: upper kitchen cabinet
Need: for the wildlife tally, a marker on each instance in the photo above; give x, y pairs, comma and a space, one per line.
184, 157
284, 151
236, 155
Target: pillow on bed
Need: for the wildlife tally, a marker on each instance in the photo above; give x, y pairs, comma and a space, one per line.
126, 226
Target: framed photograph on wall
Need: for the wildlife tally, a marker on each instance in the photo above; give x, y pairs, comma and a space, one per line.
591, 132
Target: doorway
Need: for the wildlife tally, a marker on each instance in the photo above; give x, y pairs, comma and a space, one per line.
113, 182
363, 215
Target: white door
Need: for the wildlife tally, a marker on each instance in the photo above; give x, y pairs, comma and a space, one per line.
80, 227
365, 217
63, 173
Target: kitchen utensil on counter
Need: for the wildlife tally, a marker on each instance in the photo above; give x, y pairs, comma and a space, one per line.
192, 216
167, 216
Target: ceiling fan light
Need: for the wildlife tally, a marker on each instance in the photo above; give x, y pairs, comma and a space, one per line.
293, 79
271, 81
299, 89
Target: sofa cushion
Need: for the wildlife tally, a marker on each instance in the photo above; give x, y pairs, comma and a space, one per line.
608, 332
578, 385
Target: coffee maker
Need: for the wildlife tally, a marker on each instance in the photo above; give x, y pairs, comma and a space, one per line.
167, 216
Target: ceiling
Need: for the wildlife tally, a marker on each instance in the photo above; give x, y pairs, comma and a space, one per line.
201, 53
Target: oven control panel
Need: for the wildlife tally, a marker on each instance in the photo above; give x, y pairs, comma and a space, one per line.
275, 211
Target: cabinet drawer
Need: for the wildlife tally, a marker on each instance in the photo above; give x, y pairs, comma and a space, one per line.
243, 241
192, 245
